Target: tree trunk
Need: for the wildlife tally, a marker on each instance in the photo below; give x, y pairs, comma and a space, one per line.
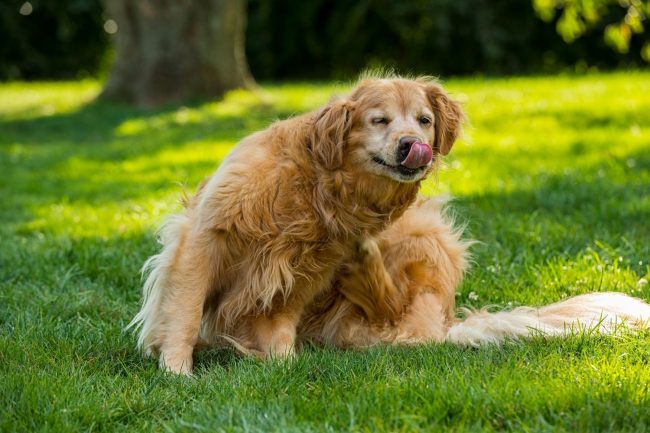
170, 51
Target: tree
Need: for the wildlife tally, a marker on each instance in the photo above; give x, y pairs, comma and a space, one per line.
580, 15
169, 51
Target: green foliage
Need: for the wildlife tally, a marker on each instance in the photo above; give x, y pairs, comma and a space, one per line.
322, 38
552, 177
580, 15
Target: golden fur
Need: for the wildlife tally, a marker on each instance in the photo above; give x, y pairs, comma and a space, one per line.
397, 288
312, 230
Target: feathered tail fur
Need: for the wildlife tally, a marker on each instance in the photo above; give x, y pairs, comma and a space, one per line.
603, 312
155, 288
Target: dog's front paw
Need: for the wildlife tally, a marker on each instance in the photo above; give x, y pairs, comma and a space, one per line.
176, 364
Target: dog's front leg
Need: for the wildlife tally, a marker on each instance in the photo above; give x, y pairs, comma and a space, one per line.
275, 331
190, 279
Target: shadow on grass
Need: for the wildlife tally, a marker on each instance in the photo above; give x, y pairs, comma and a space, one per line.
105, 152
606, 198
93, 130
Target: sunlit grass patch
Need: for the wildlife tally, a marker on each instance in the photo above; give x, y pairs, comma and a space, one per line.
21, 101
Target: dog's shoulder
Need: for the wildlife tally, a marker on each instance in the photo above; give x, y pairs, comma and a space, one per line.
264, 177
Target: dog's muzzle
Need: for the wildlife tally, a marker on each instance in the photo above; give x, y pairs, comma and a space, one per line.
413, 153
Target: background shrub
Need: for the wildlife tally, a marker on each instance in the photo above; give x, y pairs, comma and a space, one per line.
324, 38
327, 39
57, 39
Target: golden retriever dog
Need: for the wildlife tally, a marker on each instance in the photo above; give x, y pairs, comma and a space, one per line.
313, 230
266, 233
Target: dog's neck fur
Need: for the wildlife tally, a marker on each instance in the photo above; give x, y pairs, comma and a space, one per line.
349, 204
352, 205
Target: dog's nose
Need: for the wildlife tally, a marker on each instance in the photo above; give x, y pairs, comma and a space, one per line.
404, 147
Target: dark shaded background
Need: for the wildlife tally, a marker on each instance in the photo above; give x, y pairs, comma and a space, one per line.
323, 39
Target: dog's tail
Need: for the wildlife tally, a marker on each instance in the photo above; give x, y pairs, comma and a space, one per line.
603, 312
156, 285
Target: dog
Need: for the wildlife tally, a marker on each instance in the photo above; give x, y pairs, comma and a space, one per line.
264, 236
312, 230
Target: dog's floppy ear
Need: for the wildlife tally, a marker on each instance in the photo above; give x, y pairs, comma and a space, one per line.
449, 117
330, 133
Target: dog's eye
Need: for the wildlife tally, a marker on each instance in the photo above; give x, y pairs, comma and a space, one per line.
425, 120
380, 121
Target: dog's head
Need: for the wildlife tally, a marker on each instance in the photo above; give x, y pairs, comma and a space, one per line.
394, 128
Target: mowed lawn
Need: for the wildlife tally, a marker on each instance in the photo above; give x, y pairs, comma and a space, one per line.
553, 179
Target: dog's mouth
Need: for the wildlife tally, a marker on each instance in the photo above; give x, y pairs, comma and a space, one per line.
413, 156
400, 169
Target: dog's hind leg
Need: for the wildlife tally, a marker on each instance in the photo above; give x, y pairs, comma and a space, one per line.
365, 282
190, 281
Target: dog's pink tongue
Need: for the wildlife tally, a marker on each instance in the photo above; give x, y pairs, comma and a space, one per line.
419, 155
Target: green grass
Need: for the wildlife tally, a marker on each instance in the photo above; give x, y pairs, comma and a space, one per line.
553, 178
